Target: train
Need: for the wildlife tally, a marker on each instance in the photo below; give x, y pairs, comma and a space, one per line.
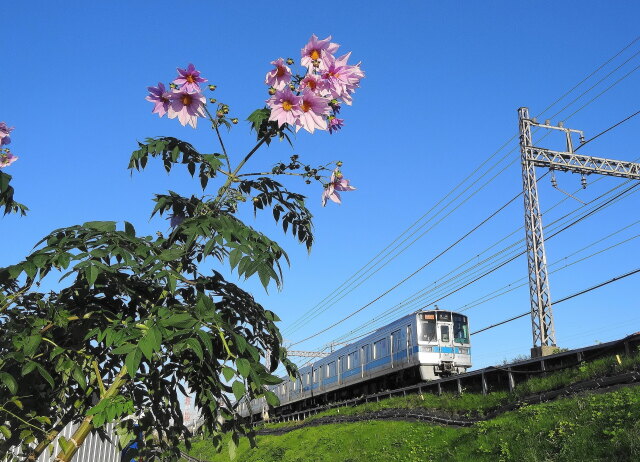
424, 345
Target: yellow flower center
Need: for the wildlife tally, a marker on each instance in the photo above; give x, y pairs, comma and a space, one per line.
312, 84
280, 71
186, 100
190, 79
286, 105
315, 54
306, 106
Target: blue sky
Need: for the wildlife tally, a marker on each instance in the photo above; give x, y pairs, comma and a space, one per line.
443, 83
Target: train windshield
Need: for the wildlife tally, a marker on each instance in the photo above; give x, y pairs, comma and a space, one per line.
460, 328
428, 331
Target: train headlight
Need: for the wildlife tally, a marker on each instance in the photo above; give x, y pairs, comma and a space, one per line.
463, 350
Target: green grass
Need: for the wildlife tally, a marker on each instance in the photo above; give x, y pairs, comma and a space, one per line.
586, 428
592, 427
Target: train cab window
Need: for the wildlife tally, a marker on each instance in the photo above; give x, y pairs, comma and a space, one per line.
460, 329
429, 333
444, 333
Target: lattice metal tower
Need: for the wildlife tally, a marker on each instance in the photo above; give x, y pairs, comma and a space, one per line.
544, 336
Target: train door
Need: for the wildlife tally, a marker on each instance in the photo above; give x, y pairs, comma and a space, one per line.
445, 336
409, 345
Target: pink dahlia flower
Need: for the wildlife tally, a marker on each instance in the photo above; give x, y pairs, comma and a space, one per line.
160, 98
189, 79
335, 124
314, 110
341, 79
187, 107
311, 82
320, 51
6, 158
279, 77
285, 107
4, 134
337, 183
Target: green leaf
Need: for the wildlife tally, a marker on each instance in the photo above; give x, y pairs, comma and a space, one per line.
170, 254
78, 375
91, 273
238, 389
31, 344
124, 349
228, 373
244, 367
45, 375
28, 367
194, 344
232, 449
129, 229
132, 361
9, 382
5, 431
272, 399
149, 343
103, 226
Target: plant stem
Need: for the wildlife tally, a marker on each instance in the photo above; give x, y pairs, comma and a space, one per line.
86, 426
223, 189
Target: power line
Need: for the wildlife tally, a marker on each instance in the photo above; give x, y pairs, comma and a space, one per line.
513, 257
597, 286
300, 322
607, 130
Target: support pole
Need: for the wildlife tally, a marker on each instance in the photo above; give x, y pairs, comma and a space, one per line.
544, 336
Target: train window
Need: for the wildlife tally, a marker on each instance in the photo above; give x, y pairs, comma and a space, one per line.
343, 363
366, 353
444, 316
381, 348
429, 331
460, 329
444, 333
308, 378
354, 360
396, 344
315, 376
331, 369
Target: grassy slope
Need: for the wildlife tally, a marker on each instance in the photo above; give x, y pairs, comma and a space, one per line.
585, 428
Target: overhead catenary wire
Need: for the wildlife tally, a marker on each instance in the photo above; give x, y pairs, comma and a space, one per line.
499, 253
603, 132
485, 272
564, 299
301, 321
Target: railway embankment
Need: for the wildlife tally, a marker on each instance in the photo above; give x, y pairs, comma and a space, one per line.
589, 412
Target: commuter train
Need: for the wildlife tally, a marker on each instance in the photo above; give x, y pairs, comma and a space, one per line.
421, 346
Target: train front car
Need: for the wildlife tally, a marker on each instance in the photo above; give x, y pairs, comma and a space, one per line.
443, 343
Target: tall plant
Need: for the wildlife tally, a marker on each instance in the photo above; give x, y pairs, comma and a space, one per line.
141, 318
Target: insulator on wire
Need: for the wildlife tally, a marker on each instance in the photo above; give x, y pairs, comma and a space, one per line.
554, 182
583, 181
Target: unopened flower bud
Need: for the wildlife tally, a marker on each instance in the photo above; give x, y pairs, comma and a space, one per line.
255, 199
339, 163
212, 100
234, 120
212, 87
225, 109
173, 85
220, 114
290, 61
272, 91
